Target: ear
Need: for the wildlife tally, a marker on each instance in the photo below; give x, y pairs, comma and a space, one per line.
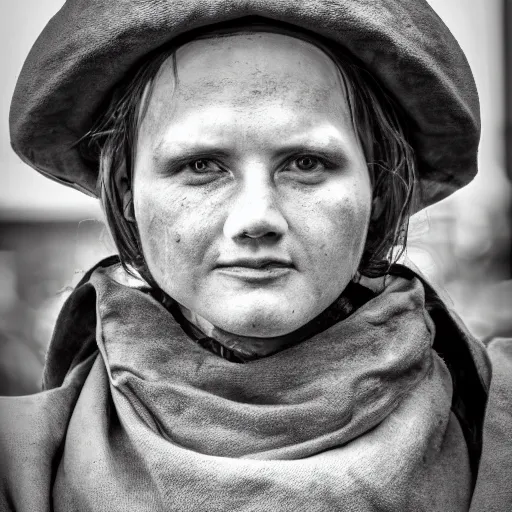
377, 208
124, 191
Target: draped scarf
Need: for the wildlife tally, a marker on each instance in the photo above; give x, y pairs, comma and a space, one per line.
361, 416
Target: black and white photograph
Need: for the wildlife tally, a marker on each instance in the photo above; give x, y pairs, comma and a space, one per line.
256, 255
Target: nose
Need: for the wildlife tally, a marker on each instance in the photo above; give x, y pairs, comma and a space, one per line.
254, 213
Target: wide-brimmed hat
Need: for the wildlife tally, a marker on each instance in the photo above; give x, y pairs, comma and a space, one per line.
89, 46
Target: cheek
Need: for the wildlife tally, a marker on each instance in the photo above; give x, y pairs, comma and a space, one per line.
157, 218
177, 231
165, 221
335, 226
351, 226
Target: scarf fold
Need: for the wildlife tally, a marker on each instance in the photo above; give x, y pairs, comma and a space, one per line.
356, 418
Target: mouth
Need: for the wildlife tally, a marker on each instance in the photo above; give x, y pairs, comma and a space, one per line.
256, 270
257, 264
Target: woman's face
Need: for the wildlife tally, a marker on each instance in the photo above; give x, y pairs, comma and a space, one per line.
251, 191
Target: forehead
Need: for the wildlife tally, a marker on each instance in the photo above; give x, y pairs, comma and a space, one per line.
267, 65
245, 73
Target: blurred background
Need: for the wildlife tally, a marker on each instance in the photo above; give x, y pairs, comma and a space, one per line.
49, 235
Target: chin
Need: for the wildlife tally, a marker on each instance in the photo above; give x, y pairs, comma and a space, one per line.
258, 331
261, 322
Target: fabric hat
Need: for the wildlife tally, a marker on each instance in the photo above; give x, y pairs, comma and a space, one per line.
90, 45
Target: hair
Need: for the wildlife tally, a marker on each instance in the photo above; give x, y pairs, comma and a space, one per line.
377, 119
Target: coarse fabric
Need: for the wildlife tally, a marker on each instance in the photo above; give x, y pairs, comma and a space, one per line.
359, 417
92, 45
493, 491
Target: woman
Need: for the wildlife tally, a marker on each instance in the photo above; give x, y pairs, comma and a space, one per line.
255, 346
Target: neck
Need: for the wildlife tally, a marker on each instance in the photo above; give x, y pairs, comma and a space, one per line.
245, 345
253, 347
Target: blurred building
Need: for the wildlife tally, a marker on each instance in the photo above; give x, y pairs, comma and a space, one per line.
50, 235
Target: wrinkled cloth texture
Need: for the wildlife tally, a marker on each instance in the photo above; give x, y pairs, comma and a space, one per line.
90, 46
357, 418
493, 492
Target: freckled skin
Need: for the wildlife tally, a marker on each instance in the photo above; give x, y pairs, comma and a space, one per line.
247, 99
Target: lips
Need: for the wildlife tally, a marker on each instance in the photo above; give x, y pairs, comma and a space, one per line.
260, 263
256, 272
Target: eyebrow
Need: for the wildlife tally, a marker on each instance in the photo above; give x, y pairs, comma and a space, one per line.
331, 147
186, 155
329, 150
165, 148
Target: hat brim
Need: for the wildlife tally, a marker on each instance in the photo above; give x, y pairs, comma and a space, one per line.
88, 47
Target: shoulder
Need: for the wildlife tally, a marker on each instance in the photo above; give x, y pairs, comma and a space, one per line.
494, 485
32, 431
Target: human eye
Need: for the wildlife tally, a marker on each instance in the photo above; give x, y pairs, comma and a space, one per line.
307, 163
307, 168
203, 166
201, 171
